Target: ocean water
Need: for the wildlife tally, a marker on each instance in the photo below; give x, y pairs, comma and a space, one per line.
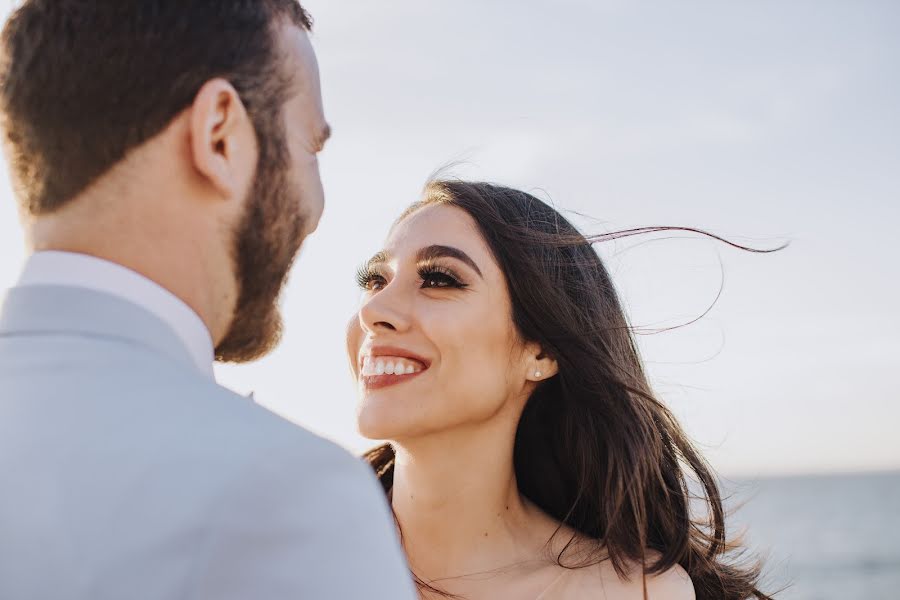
826, 537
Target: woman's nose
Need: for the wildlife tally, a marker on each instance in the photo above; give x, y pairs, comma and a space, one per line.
386, 309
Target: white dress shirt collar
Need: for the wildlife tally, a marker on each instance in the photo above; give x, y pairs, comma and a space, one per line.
80, 270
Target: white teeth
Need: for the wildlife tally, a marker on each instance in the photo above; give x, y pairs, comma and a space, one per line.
372, 366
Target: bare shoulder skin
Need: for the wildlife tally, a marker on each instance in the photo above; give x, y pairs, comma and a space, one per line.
673, 584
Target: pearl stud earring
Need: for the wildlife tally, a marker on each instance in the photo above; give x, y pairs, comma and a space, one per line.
537, 373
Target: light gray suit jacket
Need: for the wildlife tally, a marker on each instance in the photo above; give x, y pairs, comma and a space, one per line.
125, 474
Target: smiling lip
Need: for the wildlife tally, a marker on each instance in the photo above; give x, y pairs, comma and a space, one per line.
378, 381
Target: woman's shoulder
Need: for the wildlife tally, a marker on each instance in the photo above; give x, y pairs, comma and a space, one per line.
602, 581
672, 584
587, 573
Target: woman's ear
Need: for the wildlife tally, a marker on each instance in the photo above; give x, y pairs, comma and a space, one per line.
223, 142
541, 365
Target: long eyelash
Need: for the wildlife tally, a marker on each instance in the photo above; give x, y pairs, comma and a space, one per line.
429, 269
365, 275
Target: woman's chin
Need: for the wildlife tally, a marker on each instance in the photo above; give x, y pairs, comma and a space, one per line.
375, 423
369, 432
378, 419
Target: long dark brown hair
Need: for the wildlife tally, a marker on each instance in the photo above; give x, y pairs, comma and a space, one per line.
595, 448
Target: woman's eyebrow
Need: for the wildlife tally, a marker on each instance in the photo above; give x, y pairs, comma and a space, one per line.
429, 253
438, 251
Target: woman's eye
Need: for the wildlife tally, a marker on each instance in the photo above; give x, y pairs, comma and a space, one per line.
376, 283
369, 280
436, 279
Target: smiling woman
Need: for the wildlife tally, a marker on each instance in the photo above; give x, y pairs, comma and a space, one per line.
528, 455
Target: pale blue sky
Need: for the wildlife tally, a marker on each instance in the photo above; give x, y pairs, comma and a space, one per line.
764, 121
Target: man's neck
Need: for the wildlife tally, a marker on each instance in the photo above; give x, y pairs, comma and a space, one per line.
175, 261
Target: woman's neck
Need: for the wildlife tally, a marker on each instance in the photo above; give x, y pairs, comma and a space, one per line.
458, 505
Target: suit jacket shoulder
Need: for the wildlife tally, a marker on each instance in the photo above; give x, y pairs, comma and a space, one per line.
127, 474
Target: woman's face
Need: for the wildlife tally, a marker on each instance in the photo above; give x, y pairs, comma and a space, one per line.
433, 346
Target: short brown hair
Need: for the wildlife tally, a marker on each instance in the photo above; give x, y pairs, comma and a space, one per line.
84, 82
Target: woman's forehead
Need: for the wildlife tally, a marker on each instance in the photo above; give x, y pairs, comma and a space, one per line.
437, 224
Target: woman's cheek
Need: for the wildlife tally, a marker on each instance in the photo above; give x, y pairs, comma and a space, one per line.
481, 389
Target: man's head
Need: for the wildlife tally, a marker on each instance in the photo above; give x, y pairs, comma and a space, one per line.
214, 101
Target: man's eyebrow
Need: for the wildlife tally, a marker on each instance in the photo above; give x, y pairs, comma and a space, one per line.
438, 251
324, 136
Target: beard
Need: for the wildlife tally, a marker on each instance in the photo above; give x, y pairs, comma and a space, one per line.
267, 240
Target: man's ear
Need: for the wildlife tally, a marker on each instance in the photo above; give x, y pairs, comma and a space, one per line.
540, 364
223, 142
